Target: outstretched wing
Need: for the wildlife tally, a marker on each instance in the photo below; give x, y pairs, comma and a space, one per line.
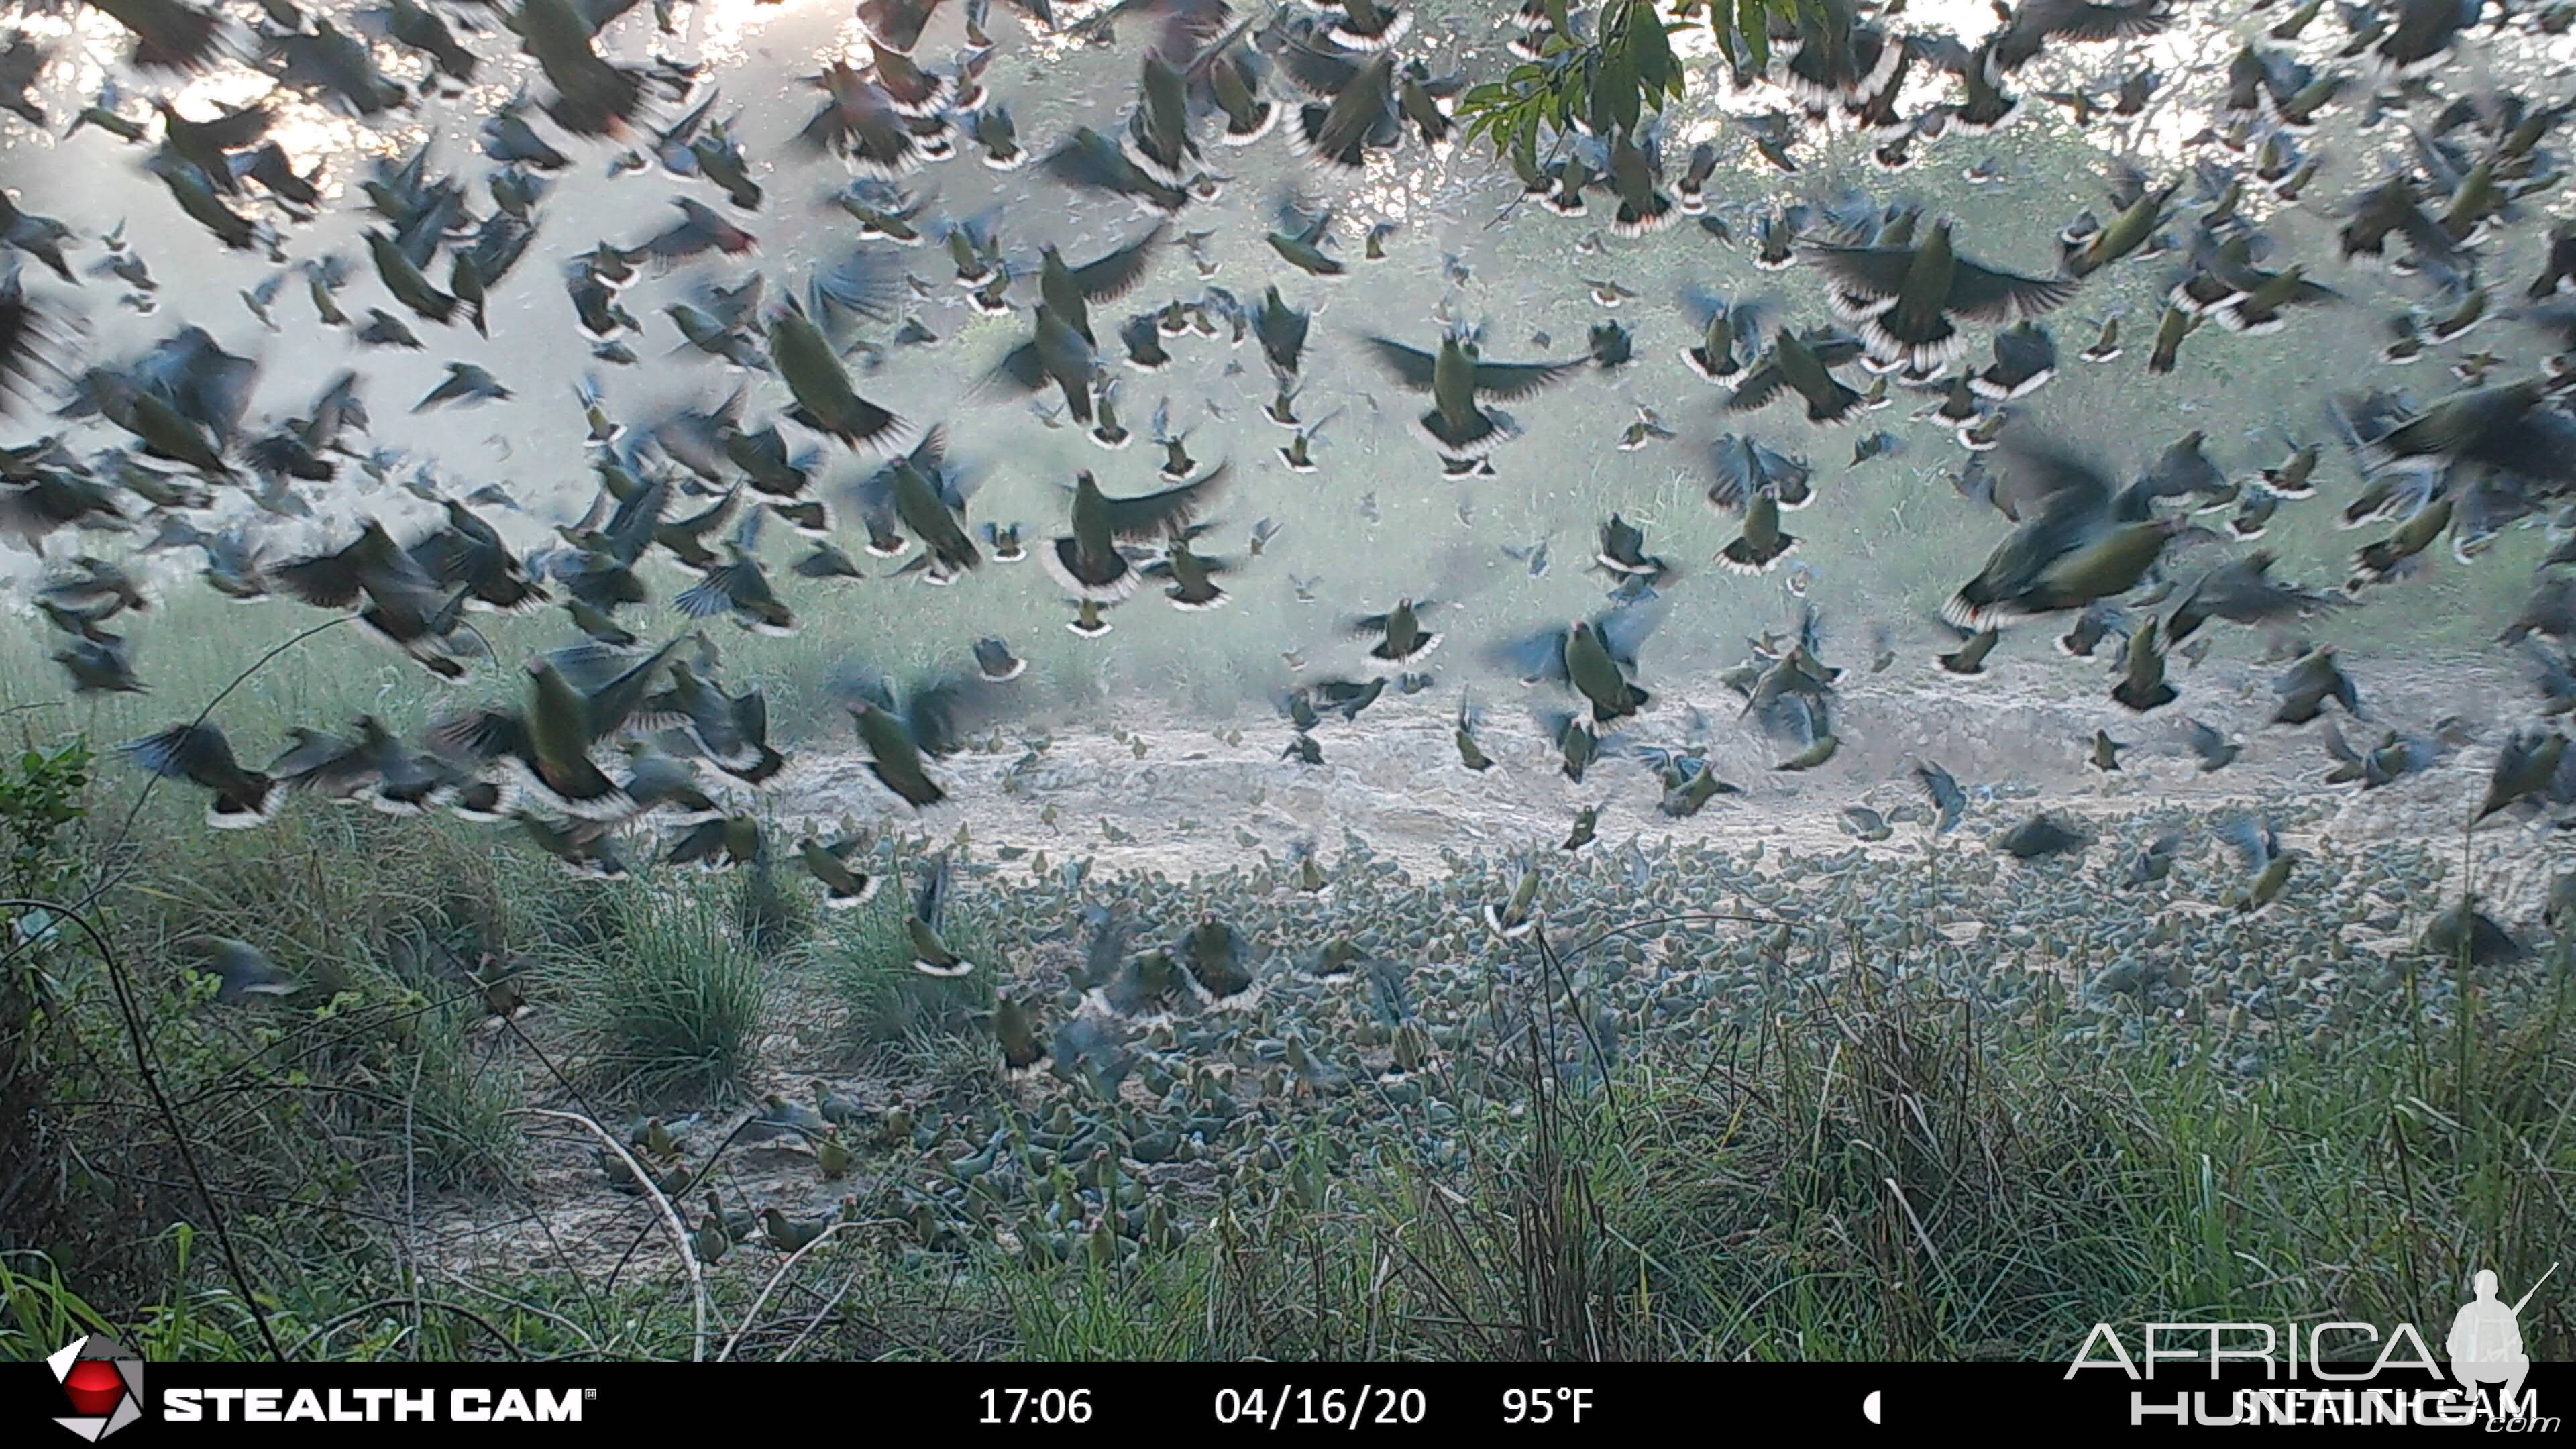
1165, 512
1991, 296
1865, 271
1410, 366
1114, 275
1520, 379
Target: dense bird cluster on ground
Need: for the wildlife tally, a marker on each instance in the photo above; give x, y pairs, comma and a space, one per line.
629, 736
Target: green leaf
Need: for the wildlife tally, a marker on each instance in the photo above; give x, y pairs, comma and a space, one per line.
1757, 33
1654, 51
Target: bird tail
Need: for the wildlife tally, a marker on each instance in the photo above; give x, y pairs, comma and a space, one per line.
1482, 433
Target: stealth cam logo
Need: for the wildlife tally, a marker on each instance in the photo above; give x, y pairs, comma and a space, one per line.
104, 1381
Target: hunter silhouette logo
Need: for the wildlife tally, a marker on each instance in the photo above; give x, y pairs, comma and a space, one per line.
104, 1381
2486, 1344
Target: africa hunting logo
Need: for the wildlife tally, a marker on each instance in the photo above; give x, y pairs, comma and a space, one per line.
2484, 1384
104, 1381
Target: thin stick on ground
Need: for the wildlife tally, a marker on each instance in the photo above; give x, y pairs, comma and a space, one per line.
670, 1220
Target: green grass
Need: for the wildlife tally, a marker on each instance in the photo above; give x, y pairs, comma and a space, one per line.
674, 1000
866, 956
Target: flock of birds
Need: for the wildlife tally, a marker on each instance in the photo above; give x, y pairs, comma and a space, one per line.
614, 738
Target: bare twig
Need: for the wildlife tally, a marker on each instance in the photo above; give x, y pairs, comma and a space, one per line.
670, 1220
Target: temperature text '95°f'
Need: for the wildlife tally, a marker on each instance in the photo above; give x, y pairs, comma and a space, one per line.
1545, 1406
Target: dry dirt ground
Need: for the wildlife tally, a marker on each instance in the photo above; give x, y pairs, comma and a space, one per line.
1194, 799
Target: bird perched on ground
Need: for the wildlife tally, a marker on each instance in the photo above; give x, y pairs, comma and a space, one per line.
2524, 766
2216, 751
2153, 862
2041, 835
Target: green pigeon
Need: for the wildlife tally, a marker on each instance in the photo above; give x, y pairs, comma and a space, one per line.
2041, 835
1469, 754
1802, 364
844, 888
2074, 546
735, 1226
1865, 824
1401, 638
200, 755
1457, 424
2106, 752
825, 401
2267, 866
546, 747
2525, 764
1582, 834
1763, 543
1574, 739
2389, 558
2142, 685
1087, 561
2308, 683
930, 955
1594, 657
1689, 784
241, 970
727, 842
1518, 917
1217, 959
1905, 301
404, 279
1970, 656
2216, 751
1299, 241
790, 1237
838, 1110
932, 719
2465, 931
1016, 1034
833, 1156
1821, 741
1193, 587
2154, 861
926, 495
